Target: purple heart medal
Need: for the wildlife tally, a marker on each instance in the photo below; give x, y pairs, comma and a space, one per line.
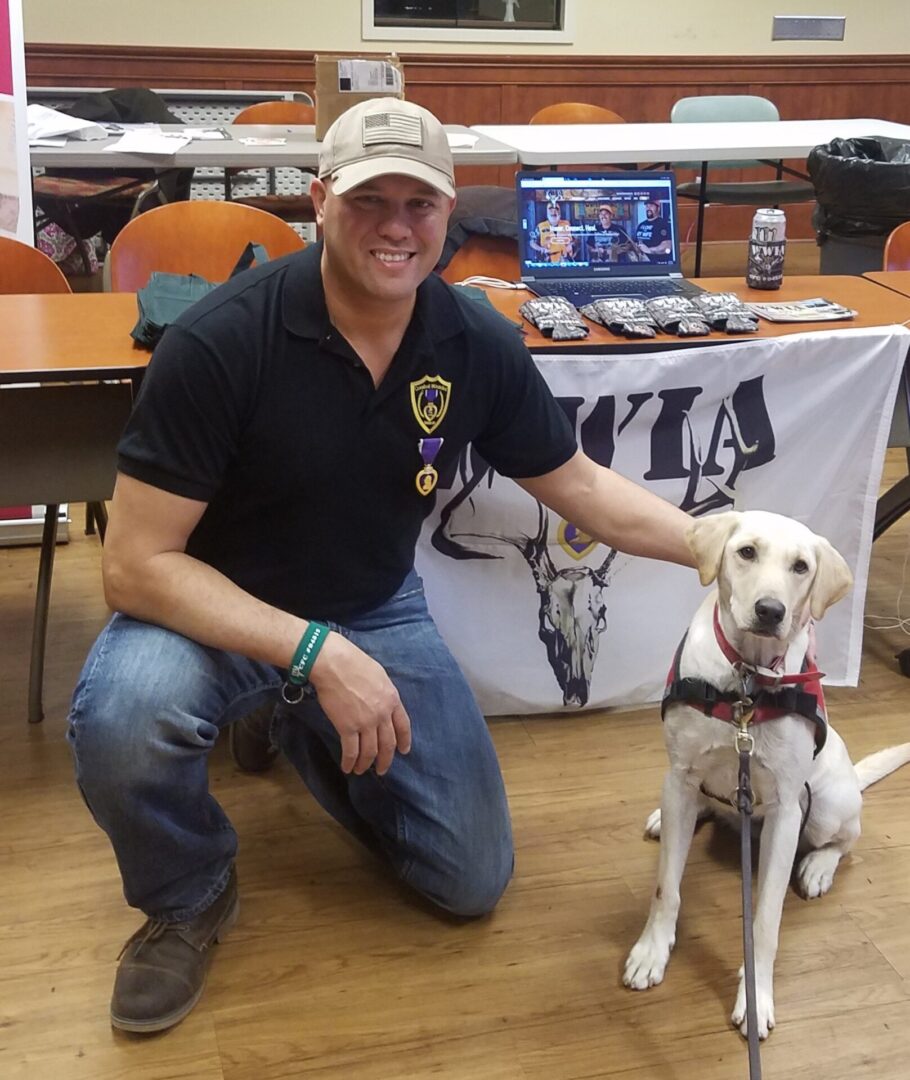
428, 476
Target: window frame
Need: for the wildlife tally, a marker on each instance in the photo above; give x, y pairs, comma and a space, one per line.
371, 32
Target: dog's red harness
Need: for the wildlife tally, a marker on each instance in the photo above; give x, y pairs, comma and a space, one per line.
773, 695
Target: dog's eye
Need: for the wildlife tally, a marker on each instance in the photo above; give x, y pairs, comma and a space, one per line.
800, 567
747, 552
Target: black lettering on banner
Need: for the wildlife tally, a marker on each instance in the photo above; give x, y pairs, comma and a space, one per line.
596, 432
667, 458
748, 427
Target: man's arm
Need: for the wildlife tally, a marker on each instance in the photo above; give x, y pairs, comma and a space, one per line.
660, 240
614, 510
147, 574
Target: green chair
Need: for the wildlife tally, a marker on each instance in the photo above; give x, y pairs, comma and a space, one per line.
733, 108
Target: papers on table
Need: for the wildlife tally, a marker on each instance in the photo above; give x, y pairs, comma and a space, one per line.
253, 140
818, 309
47, 127
44, 123
149, 140
206, 133
461, 140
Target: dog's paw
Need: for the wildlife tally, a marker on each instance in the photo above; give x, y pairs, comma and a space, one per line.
764, 1008
652, 826
647, 963
815, 875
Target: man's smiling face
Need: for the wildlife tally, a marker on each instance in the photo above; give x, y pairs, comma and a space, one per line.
384, 237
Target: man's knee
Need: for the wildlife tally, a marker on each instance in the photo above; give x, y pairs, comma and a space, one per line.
123, 709
471, 881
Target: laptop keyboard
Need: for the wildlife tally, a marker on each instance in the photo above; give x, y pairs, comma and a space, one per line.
585, 293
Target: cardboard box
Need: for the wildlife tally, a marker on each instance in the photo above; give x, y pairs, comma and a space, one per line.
343, 81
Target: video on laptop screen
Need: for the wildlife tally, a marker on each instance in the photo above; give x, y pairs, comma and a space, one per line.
588, 224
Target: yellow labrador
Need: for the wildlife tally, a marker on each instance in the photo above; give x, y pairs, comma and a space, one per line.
774, 576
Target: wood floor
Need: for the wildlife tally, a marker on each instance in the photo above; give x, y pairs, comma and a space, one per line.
333, 972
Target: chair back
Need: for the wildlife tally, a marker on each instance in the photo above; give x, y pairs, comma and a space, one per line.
202, 237
575, 112
722, 108
897, 249
25, 269
491, 256
289, 208
277, 112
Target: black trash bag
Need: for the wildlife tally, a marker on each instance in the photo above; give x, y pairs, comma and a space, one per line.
125, 105
862, 186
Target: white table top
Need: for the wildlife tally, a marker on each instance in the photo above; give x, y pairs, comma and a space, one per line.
301, 149
605, 144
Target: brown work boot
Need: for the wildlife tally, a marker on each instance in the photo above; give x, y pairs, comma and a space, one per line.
162, 967
249, 742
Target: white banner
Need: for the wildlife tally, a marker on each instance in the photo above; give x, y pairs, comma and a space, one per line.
15, 170
540, 619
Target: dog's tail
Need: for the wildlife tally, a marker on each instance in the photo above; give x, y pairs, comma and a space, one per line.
876, 766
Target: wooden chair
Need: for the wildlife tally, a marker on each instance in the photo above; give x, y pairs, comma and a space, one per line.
205, 238
25, 269
897, 252
297, 207
78, 428
490, 256
579, 112
729, 108
575, 112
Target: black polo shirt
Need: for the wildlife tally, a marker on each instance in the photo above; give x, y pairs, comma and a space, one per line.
255, 404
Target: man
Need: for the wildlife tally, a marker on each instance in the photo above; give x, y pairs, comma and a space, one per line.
552, 238
272, 483
609, 242
652, 237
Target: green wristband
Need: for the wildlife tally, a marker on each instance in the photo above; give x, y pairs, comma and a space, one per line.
307, 651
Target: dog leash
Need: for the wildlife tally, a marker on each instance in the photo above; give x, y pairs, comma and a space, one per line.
745, 744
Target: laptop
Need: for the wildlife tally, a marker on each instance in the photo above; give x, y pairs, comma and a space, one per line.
594, 236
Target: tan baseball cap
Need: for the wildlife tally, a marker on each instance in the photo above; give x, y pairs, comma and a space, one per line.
382, 136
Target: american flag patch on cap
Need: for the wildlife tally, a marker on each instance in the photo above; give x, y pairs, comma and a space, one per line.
392, 128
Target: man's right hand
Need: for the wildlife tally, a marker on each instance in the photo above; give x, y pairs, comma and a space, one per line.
362, 704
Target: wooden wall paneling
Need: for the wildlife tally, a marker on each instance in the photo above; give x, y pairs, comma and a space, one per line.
500, 89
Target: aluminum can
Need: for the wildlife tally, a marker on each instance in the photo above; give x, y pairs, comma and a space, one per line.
767, 246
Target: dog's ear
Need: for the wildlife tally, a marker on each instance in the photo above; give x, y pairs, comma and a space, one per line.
706, 538
832, 578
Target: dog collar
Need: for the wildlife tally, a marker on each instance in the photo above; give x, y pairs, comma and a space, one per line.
773, 695
763, 676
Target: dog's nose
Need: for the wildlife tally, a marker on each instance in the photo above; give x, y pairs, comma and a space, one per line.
769, 612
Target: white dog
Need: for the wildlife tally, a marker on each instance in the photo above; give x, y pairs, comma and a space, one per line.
774, 576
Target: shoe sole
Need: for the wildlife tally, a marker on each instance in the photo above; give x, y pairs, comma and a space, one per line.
162, 1023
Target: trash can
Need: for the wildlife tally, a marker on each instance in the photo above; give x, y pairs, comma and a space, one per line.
862, 188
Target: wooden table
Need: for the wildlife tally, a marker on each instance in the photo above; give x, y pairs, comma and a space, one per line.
874, 307
76, 348
897, 280
896, 500
67, 369
69, 337
85, 336
793, 419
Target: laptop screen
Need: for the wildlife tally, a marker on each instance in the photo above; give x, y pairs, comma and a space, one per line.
590, 225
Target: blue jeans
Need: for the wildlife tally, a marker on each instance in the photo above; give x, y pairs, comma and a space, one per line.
150, 705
